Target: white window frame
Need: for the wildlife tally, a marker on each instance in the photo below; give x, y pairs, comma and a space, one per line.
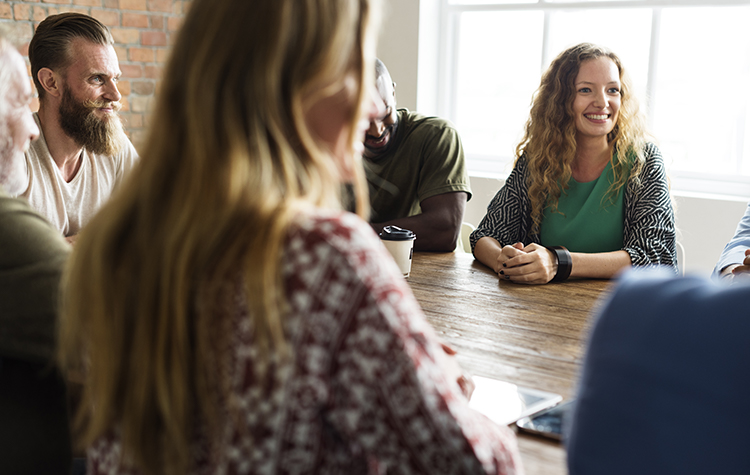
438, 60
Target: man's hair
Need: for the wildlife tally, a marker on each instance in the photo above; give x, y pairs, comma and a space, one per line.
50, 46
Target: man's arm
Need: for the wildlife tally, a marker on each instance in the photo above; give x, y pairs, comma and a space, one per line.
734, 253
438, 225
31, 263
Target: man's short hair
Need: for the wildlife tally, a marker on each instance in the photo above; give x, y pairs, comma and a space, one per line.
50, 46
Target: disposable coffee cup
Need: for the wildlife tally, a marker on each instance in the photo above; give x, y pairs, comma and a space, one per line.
400, 243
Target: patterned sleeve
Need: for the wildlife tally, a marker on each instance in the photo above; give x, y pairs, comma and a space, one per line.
649, 219
508, 217
389, 393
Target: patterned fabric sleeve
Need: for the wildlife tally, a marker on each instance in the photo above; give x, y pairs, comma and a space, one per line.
366, 392
649, 233
390, 395
508, 217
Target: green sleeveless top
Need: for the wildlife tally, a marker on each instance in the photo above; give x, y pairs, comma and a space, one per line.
588, 222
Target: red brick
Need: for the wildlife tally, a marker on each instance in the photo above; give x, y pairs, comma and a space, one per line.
126, 35
18, 32
111, 3
6, 13
141, 103
152, 72
53, 11
135, 20
143, 88
39, 14
88, 3
131, 70
125, 104
108, 17
59, 2
139, 138
68, 8
157, 22
153, 38
160, 6
133, 5
121, 52
142, 55
135, 121
162, 55
174, 23
21, 11
124, 87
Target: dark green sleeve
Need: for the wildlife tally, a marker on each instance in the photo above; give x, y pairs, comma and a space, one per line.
443, 165
32, 257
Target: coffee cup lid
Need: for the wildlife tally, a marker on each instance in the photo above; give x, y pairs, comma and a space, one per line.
394, 233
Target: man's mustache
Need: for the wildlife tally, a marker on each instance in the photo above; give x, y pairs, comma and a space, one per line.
116, 106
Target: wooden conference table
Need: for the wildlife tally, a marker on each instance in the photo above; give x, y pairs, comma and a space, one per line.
533, 336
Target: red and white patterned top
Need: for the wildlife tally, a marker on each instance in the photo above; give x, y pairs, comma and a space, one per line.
366, 392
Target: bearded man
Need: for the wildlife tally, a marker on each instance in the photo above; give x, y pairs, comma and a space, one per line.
82, 152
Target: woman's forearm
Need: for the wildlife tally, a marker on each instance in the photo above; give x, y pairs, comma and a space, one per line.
601, 265
486, 250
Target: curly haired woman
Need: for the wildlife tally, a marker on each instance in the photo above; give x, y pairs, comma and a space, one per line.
588, 196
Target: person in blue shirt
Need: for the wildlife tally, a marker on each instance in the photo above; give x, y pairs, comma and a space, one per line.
735, 259
664, 386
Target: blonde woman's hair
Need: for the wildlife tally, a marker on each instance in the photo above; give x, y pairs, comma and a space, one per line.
228, 164
549, 140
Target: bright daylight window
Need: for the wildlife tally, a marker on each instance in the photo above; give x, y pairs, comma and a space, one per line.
689, 61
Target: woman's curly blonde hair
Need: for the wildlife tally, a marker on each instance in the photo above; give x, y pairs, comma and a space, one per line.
549, 141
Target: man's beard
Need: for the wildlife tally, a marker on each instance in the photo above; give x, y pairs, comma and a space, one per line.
79, 121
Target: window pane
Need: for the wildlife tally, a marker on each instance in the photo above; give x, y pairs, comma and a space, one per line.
499, 62
627, 32
700, 112
489, 2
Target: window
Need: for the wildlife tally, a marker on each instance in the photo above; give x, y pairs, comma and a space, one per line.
689, 61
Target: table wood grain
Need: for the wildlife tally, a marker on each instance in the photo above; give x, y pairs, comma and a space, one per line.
533, 336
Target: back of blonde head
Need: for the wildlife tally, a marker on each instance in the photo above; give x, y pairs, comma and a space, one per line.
549, 141
228, 164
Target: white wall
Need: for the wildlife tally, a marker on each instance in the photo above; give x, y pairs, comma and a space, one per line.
397, 48
705, 223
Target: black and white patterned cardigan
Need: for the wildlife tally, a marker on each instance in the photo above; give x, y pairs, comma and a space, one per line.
649, 231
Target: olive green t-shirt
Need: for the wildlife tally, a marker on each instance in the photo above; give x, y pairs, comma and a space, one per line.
589, 222
32, 257
425, 159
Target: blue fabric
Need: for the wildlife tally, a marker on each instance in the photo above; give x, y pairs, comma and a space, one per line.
734, 251
665, 386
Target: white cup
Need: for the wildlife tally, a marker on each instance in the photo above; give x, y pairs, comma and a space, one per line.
400, 243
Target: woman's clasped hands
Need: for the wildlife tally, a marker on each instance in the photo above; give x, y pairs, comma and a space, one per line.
532, 264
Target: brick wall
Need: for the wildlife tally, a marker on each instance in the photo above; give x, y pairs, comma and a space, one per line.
142, 29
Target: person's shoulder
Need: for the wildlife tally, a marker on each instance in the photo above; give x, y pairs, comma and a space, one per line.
336, 238
341, 231
654, 296
417, 120
25, 234
652, 153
